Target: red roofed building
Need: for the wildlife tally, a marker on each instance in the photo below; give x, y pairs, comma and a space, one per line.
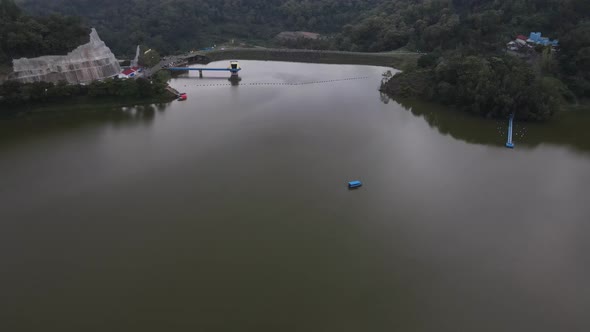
127, 73
521, 37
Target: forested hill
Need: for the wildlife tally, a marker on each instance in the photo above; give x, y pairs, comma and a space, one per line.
455, 29
468, 66
463, 37
482, 25
26, 36
357, 25
366, 25
474, 26
185, 24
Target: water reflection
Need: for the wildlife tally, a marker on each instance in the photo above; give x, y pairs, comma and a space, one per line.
384, 98
567, 129
161, 107
146, 113
173, 205
234, 80
49, 123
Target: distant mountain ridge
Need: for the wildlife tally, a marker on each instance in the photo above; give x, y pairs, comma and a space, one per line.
186, 24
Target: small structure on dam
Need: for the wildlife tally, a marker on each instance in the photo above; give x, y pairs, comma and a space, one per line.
88, 62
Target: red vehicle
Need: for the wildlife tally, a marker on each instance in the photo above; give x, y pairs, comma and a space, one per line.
182, 96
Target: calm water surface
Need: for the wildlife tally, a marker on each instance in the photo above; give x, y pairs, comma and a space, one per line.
229, 212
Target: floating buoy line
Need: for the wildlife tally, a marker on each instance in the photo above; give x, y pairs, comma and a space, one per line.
281, 84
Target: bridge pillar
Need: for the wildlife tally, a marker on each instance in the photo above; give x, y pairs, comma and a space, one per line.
200, 73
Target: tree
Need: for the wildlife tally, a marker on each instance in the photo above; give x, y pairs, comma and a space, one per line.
148, 57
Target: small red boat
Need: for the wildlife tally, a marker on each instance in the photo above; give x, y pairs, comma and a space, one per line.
182, 96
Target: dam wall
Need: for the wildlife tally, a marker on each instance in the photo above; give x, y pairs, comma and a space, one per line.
88, 62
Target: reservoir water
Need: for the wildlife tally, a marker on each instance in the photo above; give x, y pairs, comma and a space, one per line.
230, 212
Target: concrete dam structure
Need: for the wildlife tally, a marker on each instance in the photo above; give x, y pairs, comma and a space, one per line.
86, 63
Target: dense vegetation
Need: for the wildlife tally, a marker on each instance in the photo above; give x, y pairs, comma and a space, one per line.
175, 25
475, 25
26, 36
493, 86
16, 95
467, 65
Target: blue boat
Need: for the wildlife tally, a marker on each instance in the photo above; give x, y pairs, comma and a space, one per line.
354, 184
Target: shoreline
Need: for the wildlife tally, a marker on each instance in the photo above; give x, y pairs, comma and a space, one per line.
83, 104
385, 59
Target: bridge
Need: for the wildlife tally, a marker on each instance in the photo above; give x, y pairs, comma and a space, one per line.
233, 68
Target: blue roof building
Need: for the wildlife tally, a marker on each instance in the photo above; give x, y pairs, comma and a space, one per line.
537, 38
